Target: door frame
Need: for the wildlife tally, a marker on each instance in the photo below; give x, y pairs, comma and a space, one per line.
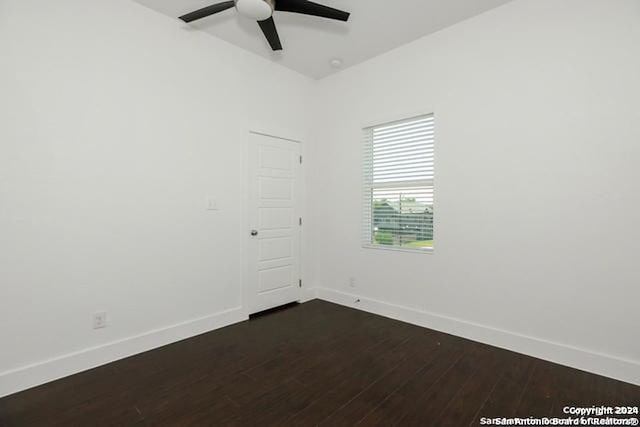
247, 289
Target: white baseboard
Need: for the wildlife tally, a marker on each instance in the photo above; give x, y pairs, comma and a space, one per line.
308, 294
579, 358
32, 375
39, 373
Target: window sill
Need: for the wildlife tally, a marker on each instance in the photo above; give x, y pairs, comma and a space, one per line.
400, 249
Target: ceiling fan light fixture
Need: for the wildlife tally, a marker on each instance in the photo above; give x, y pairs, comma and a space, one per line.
255, 9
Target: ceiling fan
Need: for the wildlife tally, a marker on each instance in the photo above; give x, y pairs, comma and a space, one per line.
262, 11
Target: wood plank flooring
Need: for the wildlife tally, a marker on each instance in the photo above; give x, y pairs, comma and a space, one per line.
314, 364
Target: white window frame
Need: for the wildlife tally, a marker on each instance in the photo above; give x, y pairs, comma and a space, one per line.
369, 185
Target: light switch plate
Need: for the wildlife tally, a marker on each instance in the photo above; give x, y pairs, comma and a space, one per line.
212, 204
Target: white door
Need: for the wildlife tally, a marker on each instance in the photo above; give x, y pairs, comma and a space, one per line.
273, 270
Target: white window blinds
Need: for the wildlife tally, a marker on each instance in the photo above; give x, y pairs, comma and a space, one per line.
398, 167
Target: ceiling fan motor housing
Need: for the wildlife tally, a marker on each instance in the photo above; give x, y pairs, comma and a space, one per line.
256, 9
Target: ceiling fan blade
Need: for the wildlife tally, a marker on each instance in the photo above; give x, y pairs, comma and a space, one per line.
306, 7
207, 11
268, 27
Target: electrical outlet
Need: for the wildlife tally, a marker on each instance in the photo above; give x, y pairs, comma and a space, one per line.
352, 282
100, 320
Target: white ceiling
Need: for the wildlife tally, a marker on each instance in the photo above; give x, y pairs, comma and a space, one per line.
375, 27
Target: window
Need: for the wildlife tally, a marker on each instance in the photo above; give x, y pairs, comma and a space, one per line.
398, 184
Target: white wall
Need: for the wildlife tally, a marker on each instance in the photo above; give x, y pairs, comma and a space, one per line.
116, 124
538, 146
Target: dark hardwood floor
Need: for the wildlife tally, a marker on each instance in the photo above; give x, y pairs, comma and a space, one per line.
315, 364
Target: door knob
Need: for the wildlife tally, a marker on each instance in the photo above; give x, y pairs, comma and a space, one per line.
254, 232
